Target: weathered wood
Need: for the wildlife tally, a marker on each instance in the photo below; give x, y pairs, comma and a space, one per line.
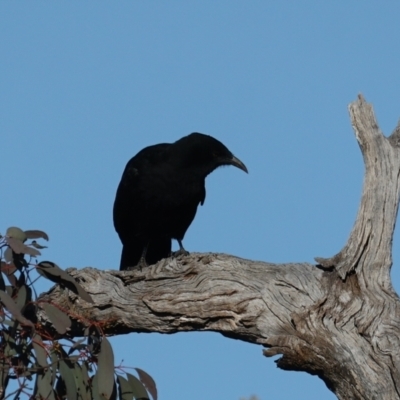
338, 320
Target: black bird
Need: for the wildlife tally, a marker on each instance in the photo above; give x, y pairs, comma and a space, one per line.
158, 195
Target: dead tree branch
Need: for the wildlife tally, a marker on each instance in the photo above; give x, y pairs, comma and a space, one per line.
338, 319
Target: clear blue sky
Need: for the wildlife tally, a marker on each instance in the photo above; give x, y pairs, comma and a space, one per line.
85, 85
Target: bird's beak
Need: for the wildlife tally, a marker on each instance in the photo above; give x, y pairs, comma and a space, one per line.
237, 163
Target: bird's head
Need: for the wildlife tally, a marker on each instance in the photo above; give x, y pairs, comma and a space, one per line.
205, 153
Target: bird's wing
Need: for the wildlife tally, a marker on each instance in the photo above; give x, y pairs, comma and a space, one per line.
147, 157
129, 205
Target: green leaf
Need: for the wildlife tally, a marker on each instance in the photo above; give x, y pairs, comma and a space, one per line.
4, 373
23, 296
81, 383
17, 233
10, 349
139, 390
125, 389
40, 351
9, 290
37, 245
58, 318
8, 270
69, 380
105, 371
44, 386
95, 387
20, 248
8, 256
148, 382
54, 362
9, 303
86, 379
36, 234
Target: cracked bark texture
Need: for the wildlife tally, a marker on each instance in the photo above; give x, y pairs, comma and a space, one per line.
338, 319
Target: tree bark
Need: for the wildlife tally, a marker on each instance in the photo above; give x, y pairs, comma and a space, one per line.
338, 319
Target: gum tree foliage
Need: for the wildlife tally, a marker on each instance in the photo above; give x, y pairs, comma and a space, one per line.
42, 359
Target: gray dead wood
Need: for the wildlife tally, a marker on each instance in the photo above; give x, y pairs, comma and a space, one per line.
338, 319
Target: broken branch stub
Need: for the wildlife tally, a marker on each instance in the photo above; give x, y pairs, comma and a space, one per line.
369, 246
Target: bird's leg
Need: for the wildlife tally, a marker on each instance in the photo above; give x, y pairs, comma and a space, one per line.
181, 251
142, 262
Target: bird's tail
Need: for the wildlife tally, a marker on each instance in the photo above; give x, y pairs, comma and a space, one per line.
130, 256
157, 249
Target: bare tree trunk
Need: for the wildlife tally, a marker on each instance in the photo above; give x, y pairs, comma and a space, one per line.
338, 319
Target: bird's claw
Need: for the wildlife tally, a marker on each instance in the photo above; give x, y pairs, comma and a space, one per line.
139, 266
180, 252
